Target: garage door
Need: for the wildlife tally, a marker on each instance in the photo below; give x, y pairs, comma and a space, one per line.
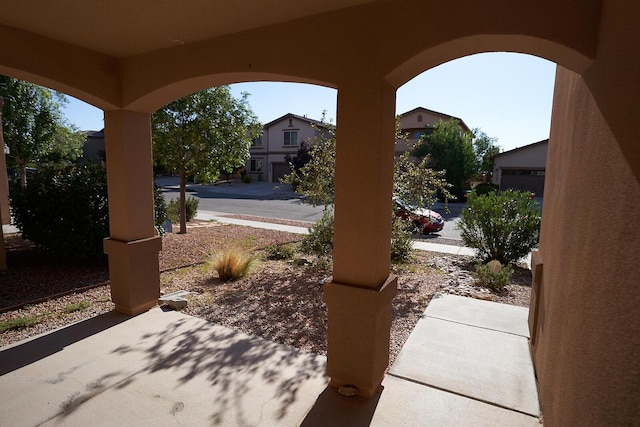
523, 180
280, 170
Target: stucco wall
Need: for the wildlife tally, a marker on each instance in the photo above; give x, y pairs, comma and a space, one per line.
587, 350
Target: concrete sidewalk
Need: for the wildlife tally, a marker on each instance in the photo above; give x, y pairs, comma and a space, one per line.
166, 368
222, 218
419, 245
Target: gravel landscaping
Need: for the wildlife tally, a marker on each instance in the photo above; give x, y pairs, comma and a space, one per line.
280, 300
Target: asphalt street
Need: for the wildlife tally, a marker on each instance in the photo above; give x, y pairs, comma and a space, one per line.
278, 201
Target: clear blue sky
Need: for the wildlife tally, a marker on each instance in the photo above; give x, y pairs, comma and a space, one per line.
506, 95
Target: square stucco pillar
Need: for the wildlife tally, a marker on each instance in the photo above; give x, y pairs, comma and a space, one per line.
132, 246
359, 296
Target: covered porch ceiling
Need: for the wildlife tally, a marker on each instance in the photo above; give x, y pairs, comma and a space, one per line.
124, 28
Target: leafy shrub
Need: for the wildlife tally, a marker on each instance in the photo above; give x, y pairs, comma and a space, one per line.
280, 251
487, 188
232, 263
160, 205
160, 212
504, 227
173, 209
401, 239
493, 275
319, 241
64, 210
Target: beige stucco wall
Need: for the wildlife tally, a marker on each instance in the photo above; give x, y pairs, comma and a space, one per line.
410, 121
588, 336
587, 348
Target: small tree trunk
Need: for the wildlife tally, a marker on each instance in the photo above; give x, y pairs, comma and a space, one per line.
183, 204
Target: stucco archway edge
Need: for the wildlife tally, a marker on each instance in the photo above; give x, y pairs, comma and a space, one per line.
483, 43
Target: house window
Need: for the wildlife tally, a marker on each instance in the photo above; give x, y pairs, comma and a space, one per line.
290, 138
256, 165
257, 141
419, 117
417, 135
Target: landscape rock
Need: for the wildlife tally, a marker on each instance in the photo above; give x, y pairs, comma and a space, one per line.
176, 300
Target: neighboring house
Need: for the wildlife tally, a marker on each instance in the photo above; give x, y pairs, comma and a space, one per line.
93, 150
522, 168
280, 137
416, 122
283, 136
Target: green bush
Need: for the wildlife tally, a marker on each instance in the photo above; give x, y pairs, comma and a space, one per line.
482, 189
319, 241
401, 239
280, 251
493, 275
160, 205
504, 227
160, 212
64, 210
173, 209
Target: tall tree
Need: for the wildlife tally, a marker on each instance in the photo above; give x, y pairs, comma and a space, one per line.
451, 150
485, 148
33, 125
414, 180
203, 134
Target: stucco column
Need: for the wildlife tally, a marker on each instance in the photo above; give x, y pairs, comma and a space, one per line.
359, 296
132, 246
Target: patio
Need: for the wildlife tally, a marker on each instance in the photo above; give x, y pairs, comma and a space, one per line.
467, 362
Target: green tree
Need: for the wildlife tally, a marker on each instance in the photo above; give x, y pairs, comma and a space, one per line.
34, 127
414, 181
315, 179
485, 148
203, 134
67, 145
451, 150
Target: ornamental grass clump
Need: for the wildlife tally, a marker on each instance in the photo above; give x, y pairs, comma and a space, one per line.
232, 263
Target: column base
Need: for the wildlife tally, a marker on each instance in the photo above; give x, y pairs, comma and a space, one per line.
359, 331
134, 273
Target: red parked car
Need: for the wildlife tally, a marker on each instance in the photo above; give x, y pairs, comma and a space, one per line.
424, 220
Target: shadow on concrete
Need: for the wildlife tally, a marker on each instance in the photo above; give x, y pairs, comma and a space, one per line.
239, 369
24, 354
333, 409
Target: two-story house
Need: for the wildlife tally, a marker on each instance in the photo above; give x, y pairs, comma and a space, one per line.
416, 122
280, 137
283, 136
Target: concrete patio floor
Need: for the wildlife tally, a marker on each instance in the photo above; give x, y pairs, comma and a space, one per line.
465, 364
